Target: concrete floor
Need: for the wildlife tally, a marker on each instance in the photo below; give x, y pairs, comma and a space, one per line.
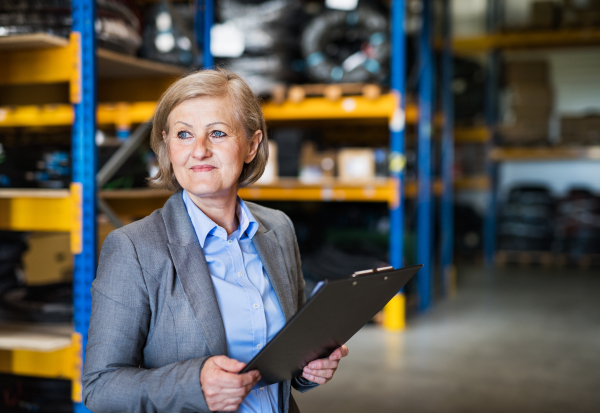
515, 340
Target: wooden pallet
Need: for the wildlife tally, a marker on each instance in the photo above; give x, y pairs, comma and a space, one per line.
587, 261
297, 93
546, 259
526, 258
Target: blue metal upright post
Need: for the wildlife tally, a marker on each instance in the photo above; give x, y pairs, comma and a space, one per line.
203, 22
394, 317
397, 129
447, 208
491, 110
84, 163
424, 204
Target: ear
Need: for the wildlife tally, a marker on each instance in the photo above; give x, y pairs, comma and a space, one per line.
164, 135
253, 146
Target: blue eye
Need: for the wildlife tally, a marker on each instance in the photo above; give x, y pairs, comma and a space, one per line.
218, 134
183, 134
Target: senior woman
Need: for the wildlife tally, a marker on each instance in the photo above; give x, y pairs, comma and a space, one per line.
186, 296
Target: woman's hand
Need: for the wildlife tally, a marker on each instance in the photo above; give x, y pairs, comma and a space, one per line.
321, 370
223, 388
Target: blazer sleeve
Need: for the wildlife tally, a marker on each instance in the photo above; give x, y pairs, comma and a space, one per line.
113, 380
299, 383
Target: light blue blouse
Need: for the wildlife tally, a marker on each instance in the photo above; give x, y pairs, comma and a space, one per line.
249, 307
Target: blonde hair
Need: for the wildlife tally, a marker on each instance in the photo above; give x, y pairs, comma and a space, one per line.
211, 83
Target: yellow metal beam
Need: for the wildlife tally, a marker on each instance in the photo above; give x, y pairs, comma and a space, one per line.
295, 190
524, 40
36, 210
124, 114
472, 183
58, 364
42, 65
46, 115
544, 154
471, 135
119, 114
351, 107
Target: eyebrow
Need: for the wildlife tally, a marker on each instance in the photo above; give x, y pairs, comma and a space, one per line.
216, 123
186, 124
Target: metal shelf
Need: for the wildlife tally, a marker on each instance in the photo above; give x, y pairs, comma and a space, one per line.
31, 41
528, 40
546, 154
126, 113
292, 189
314, 108
44, 58
38, 350
472, 183
54, 208
36, 210
120, 114
477, 134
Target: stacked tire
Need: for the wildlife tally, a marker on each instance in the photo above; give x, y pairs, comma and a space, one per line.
526, 220
578, 224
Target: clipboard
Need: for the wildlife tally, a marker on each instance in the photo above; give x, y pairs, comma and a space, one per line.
330, 317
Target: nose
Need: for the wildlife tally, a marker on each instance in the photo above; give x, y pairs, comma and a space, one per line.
201, 148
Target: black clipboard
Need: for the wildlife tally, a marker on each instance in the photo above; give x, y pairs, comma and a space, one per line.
330, 317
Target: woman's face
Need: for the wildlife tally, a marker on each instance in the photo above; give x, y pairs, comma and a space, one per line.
206, 150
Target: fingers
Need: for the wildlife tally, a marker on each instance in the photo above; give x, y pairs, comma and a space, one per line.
322, 370
339, 353
315, 379
323, 364
223, 389
229, 380
325, 373
227, 364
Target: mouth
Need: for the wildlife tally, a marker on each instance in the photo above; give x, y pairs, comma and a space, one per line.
202, 168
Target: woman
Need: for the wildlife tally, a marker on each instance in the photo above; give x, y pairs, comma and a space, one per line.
186, 296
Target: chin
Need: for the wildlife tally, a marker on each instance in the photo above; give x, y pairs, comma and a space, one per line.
207, 190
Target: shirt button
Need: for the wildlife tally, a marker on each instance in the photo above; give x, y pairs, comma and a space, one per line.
230, 242
240, 273
262, 388
256, 305
259, 346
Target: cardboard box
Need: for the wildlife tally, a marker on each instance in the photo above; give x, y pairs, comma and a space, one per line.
580, 130
316, 165
580, 13
271, 170
529, 133
48, 259
544, 15
530, 95
356, 164
525, 132
528, 72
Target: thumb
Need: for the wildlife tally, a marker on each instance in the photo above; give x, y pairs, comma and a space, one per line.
227, 364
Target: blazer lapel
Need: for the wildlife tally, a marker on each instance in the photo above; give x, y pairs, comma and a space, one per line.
193, 273
271, 255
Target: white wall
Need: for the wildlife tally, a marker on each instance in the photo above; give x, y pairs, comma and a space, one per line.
468, 17
559, 177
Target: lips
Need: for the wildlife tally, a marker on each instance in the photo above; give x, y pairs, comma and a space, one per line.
202, 168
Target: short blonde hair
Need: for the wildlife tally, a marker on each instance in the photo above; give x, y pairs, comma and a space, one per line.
211, 83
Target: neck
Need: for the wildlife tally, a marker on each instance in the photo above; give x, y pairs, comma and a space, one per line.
221, 210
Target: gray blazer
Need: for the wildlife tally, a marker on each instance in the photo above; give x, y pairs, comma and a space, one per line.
155, 317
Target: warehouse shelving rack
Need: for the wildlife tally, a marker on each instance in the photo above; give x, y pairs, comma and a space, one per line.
492, 45
42, 59
45, 59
